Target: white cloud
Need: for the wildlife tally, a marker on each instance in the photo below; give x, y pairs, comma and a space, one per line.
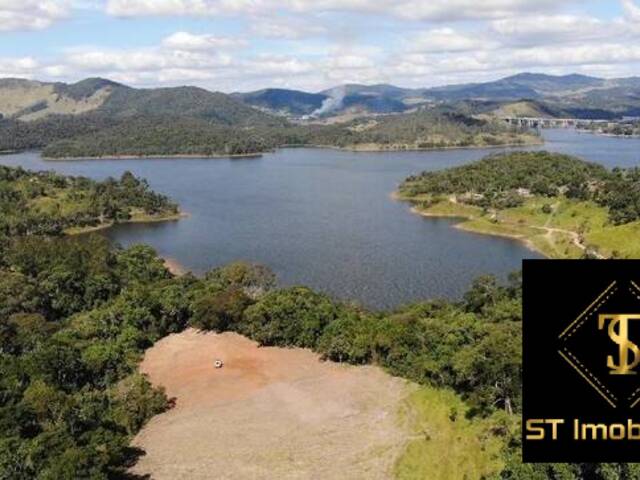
350, 62
267, 65
596, 53
25, 67
135, 8
317, 49
406, 9
559, 59
290, 28
450, 10
544, 29
631, 9
446, 40
31, 14
189, 41
144, 60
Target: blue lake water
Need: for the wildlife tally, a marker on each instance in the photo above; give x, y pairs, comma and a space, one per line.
324, 218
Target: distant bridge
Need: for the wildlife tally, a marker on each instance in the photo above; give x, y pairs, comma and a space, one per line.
540, 122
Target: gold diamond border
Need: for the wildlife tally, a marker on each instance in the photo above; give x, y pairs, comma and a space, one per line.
573, 327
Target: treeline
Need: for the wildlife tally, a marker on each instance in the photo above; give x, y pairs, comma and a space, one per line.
16, 135
76, 316
100, 134
45, 203
70, 340
163, 136
626, 129
504, 181
427, 129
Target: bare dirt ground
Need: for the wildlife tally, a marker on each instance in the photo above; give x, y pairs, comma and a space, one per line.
269, 413
175, 267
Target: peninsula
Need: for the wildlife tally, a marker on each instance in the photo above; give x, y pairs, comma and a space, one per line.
558, 205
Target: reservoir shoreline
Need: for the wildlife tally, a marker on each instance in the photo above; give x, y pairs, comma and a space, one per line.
363, 148
323, 217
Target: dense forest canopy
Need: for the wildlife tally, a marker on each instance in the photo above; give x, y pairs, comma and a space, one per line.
98, 134
45, 203
76, 315
504, 181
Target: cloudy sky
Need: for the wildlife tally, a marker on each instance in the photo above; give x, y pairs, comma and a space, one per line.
240, 45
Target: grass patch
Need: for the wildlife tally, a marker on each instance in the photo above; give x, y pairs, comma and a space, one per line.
548, 225
490, 227
136, 217
446, 445
622, 241
450, 209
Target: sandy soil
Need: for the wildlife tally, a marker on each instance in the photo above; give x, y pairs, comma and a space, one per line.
174, 266
269, 413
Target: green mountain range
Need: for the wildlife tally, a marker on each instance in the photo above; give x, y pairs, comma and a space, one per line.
577, 96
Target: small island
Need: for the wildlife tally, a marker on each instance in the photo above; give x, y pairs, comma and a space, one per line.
45, 203
560, 206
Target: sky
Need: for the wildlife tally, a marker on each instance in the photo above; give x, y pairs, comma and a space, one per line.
243, 45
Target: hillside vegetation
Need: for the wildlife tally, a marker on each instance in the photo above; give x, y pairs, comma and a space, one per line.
98, 136
98, 118
285, 102
30, 100
76, 315
568, 96
560, 205
44, 203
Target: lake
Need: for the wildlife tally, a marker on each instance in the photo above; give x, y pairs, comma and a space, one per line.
324, 218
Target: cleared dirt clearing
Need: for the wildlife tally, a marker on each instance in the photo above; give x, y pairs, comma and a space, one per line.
269, 413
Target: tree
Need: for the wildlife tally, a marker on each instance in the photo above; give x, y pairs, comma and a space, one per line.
140, 263
291, 317
136, 401
220, 311
254, 279
489, 372
350, 338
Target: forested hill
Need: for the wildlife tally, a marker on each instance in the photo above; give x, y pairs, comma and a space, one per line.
162, 136
97, 117
559, 205
282, 101
507, 180
77, 314
35, 115
574, 96
45, 203
27, 100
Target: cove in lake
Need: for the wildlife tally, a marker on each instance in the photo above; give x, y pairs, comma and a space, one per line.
324, 218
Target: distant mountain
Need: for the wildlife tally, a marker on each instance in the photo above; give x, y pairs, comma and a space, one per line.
282, 101
378, 90
519, 108
350, 98
554, 85
521, 86
573, 95
98, 116
103, 101
550, 95
31, 100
